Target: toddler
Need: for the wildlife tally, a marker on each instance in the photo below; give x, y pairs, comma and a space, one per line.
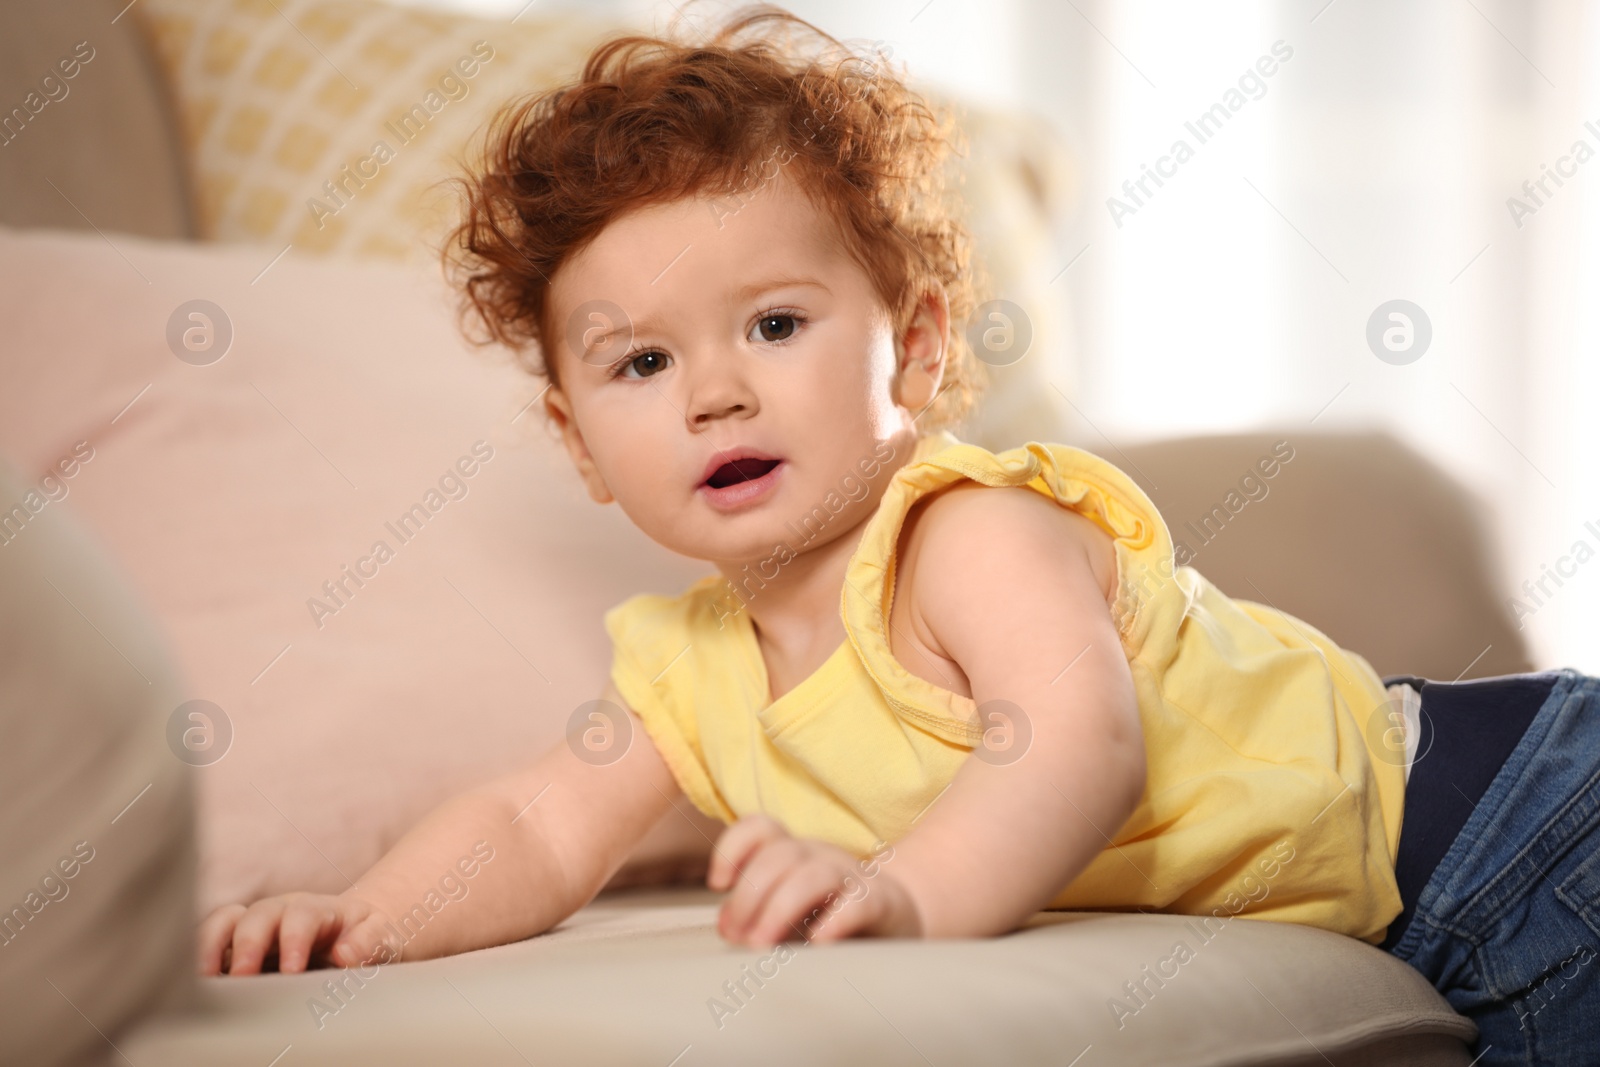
934, 689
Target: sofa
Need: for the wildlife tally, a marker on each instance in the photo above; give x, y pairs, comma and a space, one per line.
213, 407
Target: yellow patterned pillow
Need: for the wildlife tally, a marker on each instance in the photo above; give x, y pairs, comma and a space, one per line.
328, 124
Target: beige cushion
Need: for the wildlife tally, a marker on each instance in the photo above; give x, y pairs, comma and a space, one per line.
631, 979
96, 843
1357, 534
109, 142
222, 493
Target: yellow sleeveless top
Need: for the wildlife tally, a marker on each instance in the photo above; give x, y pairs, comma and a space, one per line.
1262, 797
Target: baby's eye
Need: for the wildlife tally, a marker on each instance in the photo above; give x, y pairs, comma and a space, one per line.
647, 363
777, 327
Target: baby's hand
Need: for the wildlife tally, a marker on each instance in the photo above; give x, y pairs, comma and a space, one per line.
343, 930
780, 881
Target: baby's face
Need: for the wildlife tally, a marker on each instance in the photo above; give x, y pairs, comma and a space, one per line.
759, 336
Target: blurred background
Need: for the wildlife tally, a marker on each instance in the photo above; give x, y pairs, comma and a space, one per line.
1365, 231
1384, 159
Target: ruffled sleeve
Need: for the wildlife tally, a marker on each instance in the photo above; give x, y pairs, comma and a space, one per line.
648, 633
1073, 478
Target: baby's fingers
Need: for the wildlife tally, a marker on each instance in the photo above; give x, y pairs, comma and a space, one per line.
254, 935
305, 925
737, 844
760, 877
216, 933
365, 943
800, 907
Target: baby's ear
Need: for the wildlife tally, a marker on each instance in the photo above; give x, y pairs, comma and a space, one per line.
558, 409
922, 351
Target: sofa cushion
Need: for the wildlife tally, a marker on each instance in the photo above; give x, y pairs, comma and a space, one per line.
235, 493
643, 977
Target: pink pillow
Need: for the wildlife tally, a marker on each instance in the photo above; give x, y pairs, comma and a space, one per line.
244, 497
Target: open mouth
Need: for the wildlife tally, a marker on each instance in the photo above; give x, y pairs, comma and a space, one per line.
740, 470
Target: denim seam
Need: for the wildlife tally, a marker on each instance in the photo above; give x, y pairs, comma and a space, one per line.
1585, 908
1413, 939
1561, 828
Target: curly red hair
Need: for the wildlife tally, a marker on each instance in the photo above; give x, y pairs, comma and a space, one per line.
653, 119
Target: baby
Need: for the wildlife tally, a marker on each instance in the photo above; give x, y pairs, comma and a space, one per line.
934, 689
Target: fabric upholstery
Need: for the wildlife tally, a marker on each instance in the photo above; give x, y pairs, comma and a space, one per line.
642, 977
99, 148
97, 852
230, 493
1358, 534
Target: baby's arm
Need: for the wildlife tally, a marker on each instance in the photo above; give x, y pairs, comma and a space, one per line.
1005, 586
550, 856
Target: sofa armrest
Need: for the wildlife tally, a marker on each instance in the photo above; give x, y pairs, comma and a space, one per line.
1357, 534
97, 855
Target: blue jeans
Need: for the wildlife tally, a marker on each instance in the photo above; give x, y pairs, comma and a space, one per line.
1507, 927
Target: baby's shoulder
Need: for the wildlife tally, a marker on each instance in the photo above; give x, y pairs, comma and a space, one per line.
956, 525
973, 563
